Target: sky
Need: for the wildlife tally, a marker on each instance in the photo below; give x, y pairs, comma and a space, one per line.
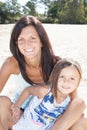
22, 2
40, 9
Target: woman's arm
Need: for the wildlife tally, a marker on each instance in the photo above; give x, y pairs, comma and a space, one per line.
1, 127
10, 66
71, 115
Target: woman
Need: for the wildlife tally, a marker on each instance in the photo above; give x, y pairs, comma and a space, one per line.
32, 61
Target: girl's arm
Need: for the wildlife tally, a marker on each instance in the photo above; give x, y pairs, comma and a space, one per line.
24, 95
39, 91
15, 108
71, 115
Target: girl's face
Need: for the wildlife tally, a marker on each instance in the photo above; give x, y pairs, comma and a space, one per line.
68, 80
29, 43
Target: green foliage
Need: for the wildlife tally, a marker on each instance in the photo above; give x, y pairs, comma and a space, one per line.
9, 11
46, 2
3, 12
56, 11
31, 7
73, 12
13, 10
68, 11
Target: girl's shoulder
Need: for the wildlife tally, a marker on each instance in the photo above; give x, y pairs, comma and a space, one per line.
11, 64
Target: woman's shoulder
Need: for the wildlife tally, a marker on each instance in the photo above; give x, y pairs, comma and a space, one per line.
56, 58
11, 64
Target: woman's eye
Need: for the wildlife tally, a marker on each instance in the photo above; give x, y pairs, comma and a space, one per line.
33, 38
20, 40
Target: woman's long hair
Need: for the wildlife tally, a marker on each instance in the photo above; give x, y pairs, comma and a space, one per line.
47, 54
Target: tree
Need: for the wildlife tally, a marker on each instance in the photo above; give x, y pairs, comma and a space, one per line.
30, 7
3, 12
73, 12
13, 9
55, 8
85, 7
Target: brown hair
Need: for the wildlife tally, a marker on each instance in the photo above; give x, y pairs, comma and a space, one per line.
47, 52
53, 79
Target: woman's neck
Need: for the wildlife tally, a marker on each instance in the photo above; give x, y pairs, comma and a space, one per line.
33, 63
34, 70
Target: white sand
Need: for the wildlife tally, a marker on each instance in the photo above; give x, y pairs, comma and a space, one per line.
67, 41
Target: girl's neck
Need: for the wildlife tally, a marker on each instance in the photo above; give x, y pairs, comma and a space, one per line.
60, 97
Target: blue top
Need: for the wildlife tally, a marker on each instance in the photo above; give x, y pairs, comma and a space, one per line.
45, 111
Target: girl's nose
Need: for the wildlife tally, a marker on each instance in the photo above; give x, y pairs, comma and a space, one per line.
66, 81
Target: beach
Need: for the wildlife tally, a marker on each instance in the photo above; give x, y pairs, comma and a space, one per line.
67, 41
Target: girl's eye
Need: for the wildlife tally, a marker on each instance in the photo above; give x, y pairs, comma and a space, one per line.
61, 76
72, 78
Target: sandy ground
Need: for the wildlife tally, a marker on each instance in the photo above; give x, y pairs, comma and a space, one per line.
67, 41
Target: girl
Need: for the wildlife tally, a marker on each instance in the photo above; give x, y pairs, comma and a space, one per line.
49, 101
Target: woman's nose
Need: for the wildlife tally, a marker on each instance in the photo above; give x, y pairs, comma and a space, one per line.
27, 42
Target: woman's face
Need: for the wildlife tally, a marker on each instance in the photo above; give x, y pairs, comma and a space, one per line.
29, 43
68, 80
